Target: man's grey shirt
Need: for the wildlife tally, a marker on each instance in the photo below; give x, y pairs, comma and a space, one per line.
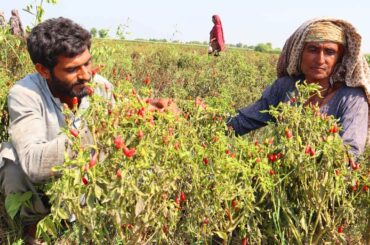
348, 104
36, 119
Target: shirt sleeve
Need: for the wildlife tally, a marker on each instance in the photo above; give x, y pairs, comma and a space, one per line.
354, 122
28, 135
253, 116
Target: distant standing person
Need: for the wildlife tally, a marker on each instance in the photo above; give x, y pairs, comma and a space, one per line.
2, 20
216, 39
16, 24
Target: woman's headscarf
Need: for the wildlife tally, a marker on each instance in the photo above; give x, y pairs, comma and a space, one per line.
353, 69
218, 32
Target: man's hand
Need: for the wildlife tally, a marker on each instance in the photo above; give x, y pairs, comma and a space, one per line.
164, 104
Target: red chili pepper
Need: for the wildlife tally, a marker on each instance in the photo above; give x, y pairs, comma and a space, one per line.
93, 159
129, 152
234, 203
280, 155
245, 241
165, 139
75, 101
333, 129
307, 150
141, 112
182, 197
312, 152
85, 180
206, 221
165, 228
90, 90
74, 132
355, 165
118, 142
140, 134
177, 201
205, 161
288, 133
340, 229
119, 174
272, 157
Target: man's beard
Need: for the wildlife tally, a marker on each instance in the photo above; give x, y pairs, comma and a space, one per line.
60, 87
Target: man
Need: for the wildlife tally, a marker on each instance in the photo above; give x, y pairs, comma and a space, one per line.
60, 51
327, 52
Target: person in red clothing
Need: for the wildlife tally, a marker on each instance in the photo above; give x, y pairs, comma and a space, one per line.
216, 39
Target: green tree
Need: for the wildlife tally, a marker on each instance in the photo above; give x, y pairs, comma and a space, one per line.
93, 32
263, 47
103, 33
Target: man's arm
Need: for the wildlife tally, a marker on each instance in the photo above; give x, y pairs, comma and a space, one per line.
28, 134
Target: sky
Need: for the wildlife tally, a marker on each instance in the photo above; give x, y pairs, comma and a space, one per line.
247, 22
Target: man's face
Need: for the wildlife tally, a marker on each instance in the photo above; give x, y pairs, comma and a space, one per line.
319, 59
69, 77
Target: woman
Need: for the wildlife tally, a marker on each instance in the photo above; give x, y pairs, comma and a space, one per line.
216, 39
15, 24
327, 52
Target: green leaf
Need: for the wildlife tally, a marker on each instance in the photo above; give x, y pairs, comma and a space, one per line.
303, 224
13, 202
98, 191
47, 226
222, 235
62, 213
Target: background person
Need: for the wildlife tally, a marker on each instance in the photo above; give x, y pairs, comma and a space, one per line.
15, 24
216, 39
2, 20
324, 51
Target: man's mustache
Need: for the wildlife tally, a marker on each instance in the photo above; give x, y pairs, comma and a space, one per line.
81, 82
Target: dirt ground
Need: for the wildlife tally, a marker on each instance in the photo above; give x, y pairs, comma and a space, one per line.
8, 229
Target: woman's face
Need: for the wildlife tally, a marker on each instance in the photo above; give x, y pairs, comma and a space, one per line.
319, 59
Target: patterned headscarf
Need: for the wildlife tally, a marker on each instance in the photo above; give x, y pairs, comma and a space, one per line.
325, 31
353, 69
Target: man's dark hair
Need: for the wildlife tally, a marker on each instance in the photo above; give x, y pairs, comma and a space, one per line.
55, 37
